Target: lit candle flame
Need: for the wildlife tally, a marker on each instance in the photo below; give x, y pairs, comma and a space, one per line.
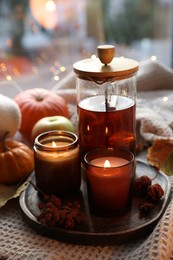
107, 164
54, 144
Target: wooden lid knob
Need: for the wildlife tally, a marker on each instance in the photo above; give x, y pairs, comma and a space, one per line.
106, 53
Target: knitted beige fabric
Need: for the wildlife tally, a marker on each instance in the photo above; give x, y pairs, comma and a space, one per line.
20, 242
155, 117
154, 75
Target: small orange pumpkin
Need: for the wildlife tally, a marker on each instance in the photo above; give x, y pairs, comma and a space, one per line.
16, 161
38, 103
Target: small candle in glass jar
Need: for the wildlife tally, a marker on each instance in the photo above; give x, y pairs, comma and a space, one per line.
57, 163
109, 174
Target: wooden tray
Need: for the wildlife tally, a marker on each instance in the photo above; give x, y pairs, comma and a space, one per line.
101, 230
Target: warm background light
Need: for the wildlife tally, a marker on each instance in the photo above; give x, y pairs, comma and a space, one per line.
50, 6
45, 13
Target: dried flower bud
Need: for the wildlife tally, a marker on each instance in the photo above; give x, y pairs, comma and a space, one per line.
155, 192
141, 185
146, 207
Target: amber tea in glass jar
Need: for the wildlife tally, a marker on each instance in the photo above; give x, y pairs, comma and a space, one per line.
106, 101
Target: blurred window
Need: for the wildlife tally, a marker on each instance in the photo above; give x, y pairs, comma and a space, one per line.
45, 37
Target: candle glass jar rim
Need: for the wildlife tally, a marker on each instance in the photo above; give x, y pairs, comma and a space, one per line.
59, 134
104, 152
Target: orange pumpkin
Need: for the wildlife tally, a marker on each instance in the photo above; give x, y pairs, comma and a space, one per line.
38, 103
16, 161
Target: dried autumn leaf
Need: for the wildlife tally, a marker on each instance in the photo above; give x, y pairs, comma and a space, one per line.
160, 154
10, 191
167, 165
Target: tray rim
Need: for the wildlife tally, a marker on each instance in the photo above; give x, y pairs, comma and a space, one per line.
82, 235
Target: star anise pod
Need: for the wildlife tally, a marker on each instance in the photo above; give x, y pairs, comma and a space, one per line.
155, 192
146, 207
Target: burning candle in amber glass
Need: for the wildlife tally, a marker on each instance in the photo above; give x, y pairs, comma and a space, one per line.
109, 174
57, 163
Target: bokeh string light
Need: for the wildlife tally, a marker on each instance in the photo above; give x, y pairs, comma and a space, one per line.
11, 74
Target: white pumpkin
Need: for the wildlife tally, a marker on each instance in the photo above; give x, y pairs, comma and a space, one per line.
10, 116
